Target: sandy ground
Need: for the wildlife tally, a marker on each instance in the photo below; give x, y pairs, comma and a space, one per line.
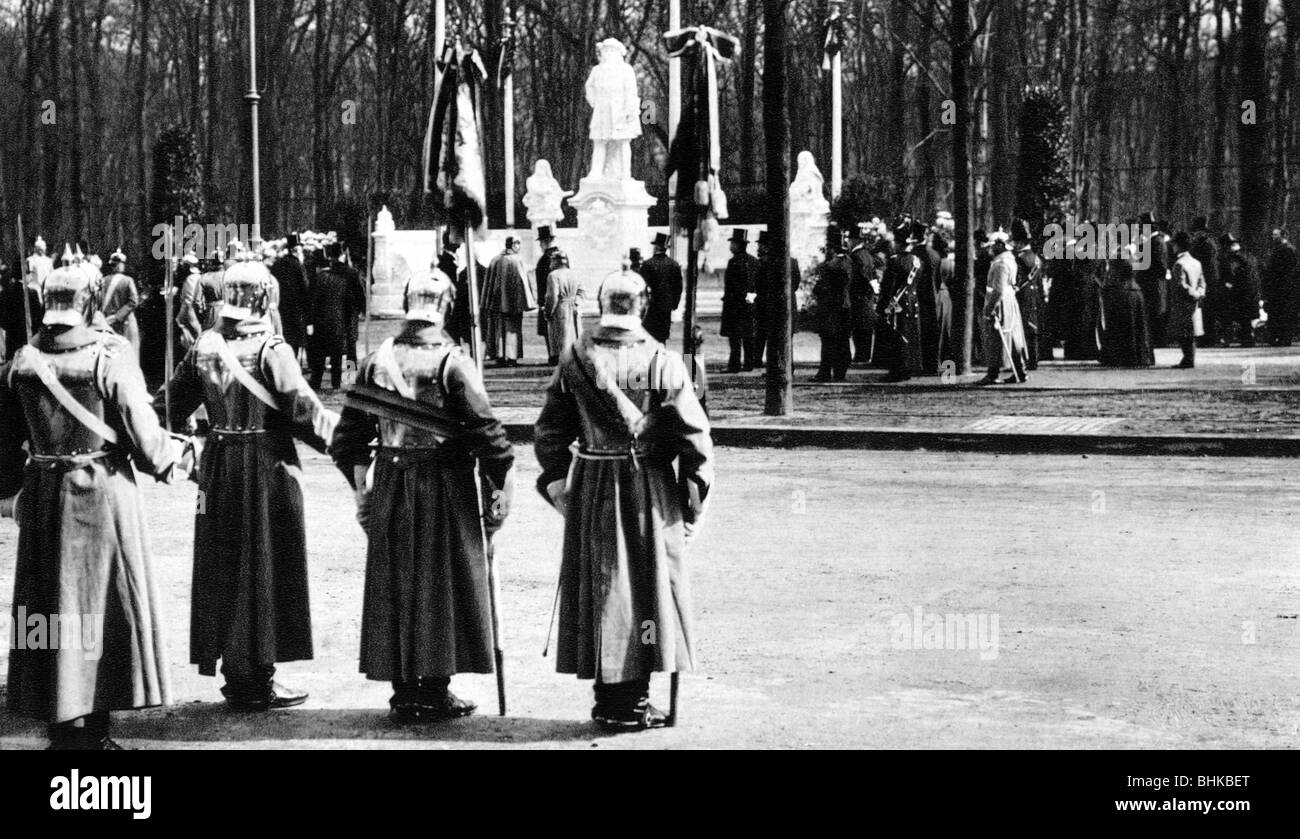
1140, 603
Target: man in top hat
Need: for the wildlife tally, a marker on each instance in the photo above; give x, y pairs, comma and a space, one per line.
249, 598
121, 298
291, 274
546, 243
770, 277
429, 499
333, 299
75, 427
1240, 272
739, 291
1281, 290
508, 292
927, 299
864, 291
898, 311
1186, 293
834, 308
663, 278
1204, 248
644, 450
1029, 287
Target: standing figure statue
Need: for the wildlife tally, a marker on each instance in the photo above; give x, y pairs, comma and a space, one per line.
616, 112
545, 196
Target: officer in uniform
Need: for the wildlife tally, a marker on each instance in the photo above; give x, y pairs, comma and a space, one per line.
898, 311
864, 285
75, 427
834, 308
429, 497
249, 602
624, 593
121, 298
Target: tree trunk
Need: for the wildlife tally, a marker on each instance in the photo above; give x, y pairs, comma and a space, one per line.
776, 121
746, 93
141, 120
1252, 135
72, 138
963, 256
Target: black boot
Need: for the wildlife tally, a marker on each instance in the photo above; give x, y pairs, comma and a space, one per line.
625, 706
427, 700
253, 688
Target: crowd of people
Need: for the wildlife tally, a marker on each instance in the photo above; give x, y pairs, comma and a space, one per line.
885, 296
317, 300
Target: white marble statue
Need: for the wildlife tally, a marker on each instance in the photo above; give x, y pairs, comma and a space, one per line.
808, 189
810, 212
544, 196
616, 112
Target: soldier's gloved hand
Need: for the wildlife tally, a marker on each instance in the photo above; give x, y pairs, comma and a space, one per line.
9, 506
559, 498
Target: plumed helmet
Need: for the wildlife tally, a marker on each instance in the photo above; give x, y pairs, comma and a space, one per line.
429, 297
69, 294
622, 292
246, 289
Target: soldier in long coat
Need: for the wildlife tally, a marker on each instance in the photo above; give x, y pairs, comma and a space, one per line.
899, 316
121, 298
663, 277
75, 399
927, 299
429, 497
1186, 292
624, 597
739, 291
1154, 281
1004, 333
249, 599
562, 307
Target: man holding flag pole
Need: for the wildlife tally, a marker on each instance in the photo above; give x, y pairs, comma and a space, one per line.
439, 484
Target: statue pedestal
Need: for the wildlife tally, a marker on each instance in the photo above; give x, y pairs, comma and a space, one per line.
398, 256
613, 217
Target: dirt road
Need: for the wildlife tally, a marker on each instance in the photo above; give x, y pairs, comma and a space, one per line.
1121, 602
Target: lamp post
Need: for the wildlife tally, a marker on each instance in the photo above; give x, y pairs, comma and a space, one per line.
252, 99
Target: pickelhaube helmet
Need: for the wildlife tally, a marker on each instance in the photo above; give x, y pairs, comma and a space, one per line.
246, 289
622, 292
429, 297
69, 293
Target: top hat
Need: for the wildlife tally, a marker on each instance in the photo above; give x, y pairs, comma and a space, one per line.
740, 235
634, 254
333, 250
544, 233
292, 241
661, 240
834, 236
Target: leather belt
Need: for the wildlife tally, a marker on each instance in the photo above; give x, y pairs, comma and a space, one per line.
56, 462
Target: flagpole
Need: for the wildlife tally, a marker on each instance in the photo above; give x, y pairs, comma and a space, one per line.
508, 117
674, 117
22, 276
837, 113
370, 267
169, 291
